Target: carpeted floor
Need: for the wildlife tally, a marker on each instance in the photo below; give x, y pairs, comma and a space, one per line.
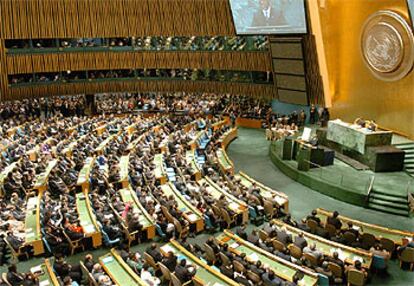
249, 152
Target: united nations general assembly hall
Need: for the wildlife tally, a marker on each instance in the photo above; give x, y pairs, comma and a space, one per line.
206, 142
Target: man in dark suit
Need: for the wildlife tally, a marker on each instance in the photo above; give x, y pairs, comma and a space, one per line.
270, 279
253, 237
241, 231
257, 268
170, 261
183, 272
334, 220
154, 252
283, 236
300, 241
268, 15
14, 277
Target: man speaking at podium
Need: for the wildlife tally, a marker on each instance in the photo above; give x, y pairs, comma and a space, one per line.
267, 15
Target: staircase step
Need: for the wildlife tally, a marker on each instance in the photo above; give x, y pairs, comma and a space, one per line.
402, 145
389, 198
406, 148
403, 196
399, 206
388, 210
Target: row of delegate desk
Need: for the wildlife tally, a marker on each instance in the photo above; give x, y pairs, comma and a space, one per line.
399, 237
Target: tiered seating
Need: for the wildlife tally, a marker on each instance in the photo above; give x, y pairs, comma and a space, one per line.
119, 271
205, 274
282, 268
371, 233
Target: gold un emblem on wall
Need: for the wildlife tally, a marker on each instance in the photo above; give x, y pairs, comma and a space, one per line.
387, 45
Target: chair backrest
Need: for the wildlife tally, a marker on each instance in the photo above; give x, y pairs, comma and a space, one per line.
268, 208
4, 277
167, 214
175, 281
278, 245
312, 259
210, 255
407, 255
313, 225
379, 262
349, 237
336, 269
330, 229
295, 251
387, 244
165, 272
256, 279
367, 240
178, 226
216, 210
91, 279
224, 259
263, 235
356, 277
150, 260
226, 216
238, 267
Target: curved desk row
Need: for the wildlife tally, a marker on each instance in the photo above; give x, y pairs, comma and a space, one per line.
327, 247
120, 273
148, 223
282, 268
190, 213
399, 237
205, 275
266, 192
237, 206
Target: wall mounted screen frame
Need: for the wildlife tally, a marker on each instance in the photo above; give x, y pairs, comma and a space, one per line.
264, 17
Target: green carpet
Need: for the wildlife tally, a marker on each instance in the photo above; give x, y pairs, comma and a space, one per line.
249, 153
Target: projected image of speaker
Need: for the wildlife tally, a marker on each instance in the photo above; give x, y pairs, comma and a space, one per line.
269, 16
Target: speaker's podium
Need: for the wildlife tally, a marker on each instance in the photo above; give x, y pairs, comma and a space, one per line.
307, 155
310, 156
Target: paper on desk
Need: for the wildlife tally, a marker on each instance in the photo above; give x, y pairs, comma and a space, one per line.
359, 258
167, 248
233, 206
89, 228
253, 257
44, 283
234, 245
36, 269
30, 234
192, 217
107, 259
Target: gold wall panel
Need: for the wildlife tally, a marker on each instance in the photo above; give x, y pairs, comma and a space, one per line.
109, 18
355, 92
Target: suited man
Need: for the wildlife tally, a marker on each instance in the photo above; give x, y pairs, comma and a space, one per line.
300, 241
14, 277
183, 273
283, 236
170, 261
270, 279
257, 268
154, 252
334, 220
253, 237
268, 15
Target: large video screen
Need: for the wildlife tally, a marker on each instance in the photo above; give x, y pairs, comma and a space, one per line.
269, 16
411, 10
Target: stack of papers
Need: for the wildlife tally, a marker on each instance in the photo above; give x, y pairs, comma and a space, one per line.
253, 257
234, 245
